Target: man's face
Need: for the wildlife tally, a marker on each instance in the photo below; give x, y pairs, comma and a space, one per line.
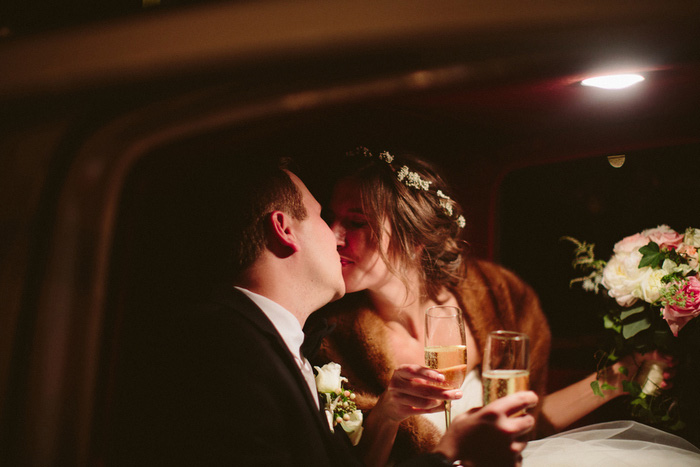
320, 258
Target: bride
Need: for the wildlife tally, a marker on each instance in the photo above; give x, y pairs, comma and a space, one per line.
398, 233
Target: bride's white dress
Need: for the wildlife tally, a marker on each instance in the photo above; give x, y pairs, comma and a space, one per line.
621, 443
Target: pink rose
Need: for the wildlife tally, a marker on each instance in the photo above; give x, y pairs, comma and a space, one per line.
664, 235
630, 244
686, 305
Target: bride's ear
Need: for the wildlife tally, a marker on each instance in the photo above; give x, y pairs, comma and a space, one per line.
283, 238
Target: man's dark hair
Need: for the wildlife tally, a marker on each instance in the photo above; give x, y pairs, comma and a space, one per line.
240, 198
267, 189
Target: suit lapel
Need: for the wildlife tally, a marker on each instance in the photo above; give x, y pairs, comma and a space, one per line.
241, 304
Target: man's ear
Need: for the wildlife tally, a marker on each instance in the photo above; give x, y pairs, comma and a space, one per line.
283, 238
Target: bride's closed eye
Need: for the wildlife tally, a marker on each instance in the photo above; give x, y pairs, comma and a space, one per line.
354, 223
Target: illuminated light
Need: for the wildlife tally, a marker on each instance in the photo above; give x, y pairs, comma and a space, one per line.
613, 81
617, 160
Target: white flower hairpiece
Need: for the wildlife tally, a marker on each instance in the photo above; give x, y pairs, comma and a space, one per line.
444, 202
414, 180
340, 404
386, 157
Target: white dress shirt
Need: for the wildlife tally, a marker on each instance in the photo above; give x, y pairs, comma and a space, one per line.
289, 328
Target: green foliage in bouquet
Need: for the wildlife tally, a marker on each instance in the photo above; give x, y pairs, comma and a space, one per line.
652, 277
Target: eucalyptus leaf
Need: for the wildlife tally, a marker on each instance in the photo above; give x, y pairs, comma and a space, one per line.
635, 327
631, 312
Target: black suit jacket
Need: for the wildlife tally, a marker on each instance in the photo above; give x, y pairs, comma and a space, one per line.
220, 388
223, 389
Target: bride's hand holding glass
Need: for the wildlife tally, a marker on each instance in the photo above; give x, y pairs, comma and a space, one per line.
414, 390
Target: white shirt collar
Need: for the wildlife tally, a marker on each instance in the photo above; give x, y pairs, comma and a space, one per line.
284, 321
292, 334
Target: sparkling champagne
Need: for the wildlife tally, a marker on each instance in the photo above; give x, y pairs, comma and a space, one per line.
500, 383
451, 361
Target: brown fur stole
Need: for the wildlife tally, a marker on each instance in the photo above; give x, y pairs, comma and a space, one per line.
492, 298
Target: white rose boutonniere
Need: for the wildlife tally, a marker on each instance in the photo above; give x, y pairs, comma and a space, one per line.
340, 403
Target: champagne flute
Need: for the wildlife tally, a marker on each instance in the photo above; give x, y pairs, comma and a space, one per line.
446, 347
506, 365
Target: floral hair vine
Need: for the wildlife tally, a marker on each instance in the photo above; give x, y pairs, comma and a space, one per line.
414, 180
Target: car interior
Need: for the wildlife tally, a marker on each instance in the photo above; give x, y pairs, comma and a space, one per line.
113, 130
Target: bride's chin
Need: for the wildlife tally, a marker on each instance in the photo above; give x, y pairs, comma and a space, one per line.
351, 287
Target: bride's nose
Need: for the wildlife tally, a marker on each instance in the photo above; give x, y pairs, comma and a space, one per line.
339, 233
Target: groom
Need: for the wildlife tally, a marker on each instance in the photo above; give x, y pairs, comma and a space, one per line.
238, 390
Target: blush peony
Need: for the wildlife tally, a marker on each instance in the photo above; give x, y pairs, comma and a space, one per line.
630, 244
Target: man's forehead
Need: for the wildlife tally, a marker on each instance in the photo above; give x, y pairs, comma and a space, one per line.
305, 193
297, 181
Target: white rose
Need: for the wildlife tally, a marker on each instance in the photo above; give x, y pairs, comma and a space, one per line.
692, 237
622, 277
650, 285
328, 378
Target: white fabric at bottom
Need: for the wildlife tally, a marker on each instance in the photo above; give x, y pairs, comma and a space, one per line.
620, 443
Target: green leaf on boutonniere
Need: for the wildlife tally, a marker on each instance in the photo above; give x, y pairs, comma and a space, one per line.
651, 256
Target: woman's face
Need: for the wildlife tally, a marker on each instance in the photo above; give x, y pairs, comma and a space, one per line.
363, 267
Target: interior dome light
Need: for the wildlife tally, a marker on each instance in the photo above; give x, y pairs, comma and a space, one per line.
617, 160
613, 81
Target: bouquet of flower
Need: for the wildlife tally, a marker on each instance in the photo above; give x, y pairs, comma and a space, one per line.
653, 278
340, 404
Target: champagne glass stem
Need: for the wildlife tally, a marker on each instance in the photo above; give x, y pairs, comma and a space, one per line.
448, 413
